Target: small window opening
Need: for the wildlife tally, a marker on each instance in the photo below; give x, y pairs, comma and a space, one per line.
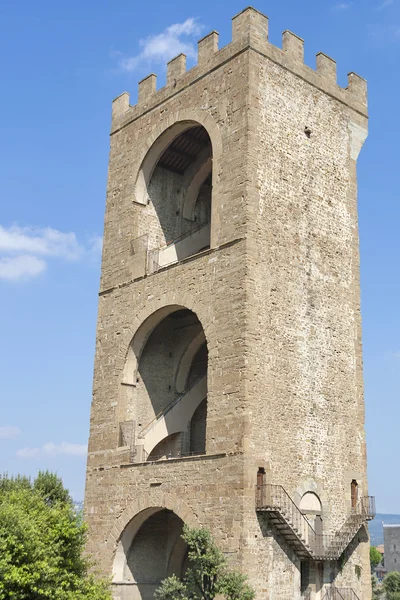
354, 493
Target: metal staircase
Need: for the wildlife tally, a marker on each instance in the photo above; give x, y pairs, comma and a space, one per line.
334, 593
294, 527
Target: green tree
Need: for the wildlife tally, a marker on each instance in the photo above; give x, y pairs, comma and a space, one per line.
391, 585
207, 574
41, 543
375, 557
377, 590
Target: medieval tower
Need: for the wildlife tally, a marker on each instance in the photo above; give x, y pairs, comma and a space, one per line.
228, 388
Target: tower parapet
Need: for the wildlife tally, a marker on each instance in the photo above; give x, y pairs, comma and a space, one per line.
249, 31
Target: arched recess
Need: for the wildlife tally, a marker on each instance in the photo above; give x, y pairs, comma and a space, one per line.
142, 505
169, 341
310, 485
156, 552
310, 502
174, 182
311, 507
154, 520
139, 340
150, 161
181, 119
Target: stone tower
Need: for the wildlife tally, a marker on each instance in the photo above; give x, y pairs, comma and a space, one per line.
228, 387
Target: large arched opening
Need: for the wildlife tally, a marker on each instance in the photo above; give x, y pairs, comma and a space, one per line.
175, 184
163, 400
150, 549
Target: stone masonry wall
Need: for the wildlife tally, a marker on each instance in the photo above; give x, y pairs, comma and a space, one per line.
305, 390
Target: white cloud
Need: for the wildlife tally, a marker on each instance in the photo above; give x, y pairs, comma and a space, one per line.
162, 47
7, 431
342, 6
21, 267
53, 450
24, 251
43, 242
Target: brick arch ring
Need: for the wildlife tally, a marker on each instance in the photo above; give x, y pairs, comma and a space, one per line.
134, 339
161, 137
119, 539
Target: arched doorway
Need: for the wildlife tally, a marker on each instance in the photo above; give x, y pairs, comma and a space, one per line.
151, 548
175, 185
311, 507
163, 412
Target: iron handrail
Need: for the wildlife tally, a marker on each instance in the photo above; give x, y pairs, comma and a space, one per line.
172, 455
185, 235
334, 593
170, 405
153, 264
274, 497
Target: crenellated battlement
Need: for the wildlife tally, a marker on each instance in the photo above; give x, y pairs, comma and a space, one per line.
249, 31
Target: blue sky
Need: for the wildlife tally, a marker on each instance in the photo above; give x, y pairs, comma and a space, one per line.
62, 64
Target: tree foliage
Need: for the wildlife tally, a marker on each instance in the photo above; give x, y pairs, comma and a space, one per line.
41, 543
377, 590
391, 585
375, 557
207, 574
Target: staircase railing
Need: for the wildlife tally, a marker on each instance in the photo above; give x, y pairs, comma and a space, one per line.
363, 511
334, 593
169, 406
153, 255
187, 233
367, 507
274, 498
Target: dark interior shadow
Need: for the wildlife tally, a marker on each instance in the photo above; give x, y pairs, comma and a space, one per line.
167, 191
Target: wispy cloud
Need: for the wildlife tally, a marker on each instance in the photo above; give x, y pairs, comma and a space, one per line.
160, 48
384, 34
21, 267
7, 432
95, 244
385, 4
53, 450
339, 6
24, 251
44, 242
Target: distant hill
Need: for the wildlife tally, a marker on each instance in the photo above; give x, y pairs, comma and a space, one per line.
376, 527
